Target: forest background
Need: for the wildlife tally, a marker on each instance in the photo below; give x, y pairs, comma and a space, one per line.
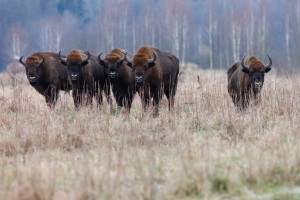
212, 34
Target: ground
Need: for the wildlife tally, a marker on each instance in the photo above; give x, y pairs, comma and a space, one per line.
204, 149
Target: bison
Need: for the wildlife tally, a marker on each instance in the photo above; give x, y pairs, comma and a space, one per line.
155, 72
86, 76
120, 77
245, 80
47, 75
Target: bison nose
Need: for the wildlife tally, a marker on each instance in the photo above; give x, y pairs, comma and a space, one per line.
258, 84
32, 78
74, 77
112, 74
139, 78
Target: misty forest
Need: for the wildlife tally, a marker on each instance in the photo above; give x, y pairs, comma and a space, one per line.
212, 34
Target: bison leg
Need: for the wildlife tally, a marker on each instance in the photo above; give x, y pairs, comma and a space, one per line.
170, 97
156, 94
127, 101
144, 94
99, 99
173, 92
107, 94
77, 98
170, 88
51, 95
97, 93
90, 95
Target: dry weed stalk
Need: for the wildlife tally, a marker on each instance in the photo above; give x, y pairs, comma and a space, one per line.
204, 149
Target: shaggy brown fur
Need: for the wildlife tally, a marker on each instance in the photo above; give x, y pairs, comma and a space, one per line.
246, 85
120, 77
114, 55
254, 63
142, 54
75, 56
88, 78
47, 75
34, 59
155, 78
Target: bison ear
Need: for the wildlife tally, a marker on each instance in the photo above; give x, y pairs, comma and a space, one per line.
129, 64
102, 62
151, 64
268, 69
85, 62
245, 70
63, 62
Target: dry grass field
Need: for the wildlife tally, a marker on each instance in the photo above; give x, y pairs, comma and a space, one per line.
205, 149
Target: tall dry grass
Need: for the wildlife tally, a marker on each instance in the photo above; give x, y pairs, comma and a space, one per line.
205, 149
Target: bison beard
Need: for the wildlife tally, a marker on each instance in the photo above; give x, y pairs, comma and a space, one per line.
47, 75
245, 81
156, 72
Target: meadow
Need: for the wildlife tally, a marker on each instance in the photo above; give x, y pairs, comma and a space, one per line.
204, 149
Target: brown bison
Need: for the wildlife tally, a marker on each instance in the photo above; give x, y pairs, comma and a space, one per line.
120, 77
47, 75
86, 76
245, 80
155, 72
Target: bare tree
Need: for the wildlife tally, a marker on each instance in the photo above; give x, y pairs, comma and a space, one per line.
236, 35
16, 43
212, 26
50, 35
176, 26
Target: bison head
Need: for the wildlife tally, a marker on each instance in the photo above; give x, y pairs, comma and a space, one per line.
75, 60
140, 65
112, 64
256, 71
33, 67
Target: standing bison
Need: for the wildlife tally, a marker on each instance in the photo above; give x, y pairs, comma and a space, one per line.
155, 72
120, 77
47, 75
87, 77
245, 80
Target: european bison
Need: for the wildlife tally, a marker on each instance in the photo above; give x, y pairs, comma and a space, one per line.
245, 80
47, 75
155, 70
120, 76
87, 77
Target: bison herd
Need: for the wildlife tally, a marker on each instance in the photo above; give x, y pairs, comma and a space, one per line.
150, 72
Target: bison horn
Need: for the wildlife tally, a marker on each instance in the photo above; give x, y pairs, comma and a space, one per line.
21, 61
270, 62
86, 58
62, 58
126, 57
243, 64
152, 59
99, 57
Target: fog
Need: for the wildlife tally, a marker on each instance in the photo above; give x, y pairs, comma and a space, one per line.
210, 33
